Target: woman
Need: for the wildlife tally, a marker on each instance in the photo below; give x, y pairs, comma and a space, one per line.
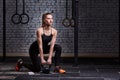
45, 44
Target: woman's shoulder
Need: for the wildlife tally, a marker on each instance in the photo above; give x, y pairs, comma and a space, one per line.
39, 30
54, 30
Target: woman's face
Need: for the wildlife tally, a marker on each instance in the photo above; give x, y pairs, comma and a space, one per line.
48, 20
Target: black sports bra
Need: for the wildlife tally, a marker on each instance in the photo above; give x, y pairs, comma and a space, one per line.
46, 39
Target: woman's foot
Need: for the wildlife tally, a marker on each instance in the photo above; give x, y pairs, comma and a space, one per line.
19, 64
59, 70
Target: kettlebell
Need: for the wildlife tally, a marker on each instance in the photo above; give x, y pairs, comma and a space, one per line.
45, 68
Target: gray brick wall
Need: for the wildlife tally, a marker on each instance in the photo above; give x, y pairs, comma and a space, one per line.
98, 25
1, 26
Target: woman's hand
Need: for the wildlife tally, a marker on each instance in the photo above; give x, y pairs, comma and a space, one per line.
43, 61
49, 61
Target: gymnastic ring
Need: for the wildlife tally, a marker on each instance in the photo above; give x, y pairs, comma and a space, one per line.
64, 20
72, 22
26, 15
16, 21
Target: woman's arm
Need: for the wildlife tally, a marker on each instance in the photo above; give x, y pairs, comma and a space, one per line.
39, 39
49, 61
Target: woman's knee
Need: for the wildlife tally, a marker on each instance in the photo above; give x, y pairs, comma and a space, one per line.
34, 48
58, 47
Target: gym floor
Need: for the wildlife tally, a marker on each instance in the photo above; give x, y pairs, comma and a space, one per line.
87, 69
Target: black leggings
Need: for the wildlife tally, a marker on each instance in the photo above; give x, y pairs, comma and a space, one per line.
34, 51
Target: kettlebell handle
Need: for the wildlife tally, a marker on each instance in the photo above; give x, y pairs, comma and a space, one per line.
43, 65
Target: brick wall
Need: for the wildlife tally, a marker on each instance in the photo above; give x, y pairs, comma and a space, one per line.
1, 26
98, 26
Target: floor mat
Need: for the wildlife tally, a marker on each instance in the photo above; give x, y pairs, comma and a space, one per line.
82, 78
38, 77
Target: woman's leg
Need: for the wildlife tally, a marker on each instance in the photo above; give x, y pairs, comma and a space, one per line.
33, 52
57, 57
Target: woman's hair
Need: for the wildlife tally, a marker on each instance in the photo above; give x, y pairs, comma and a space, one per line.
44, 16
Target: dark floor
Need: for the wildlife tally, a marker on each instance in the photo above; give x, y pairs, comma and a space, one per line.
87, 69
